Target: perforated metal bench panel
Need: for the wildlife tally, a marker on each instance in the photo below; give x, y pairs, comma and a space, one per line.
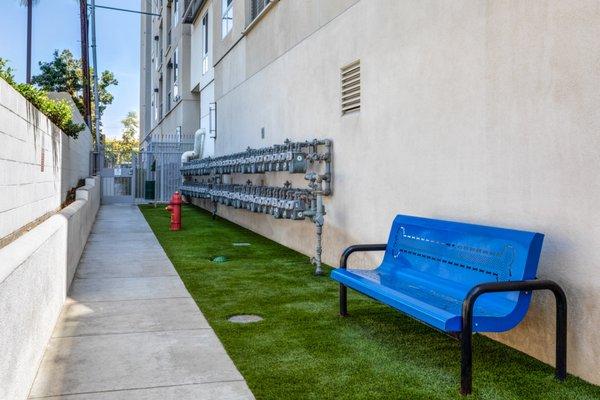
430, 265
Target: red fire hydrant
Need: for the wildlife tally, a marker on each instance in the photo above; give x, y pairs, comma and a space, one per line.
174, 208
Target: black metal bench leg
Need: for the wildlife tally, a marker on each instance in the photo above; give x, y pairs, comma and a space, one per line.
561, 332
466, 360
343, 300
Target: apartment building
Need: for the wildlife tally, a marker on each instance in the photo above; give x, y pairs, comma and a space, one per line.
462, 110
169, 110
199, 15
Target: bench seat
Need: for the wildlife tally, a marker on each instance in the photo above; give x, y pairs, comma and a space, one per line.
436, 302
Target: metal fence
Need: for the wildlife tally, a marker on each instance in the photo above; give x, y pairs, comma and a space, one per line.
156, 173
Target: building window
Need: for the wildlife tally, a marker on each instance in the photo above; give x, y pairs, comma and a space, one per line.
205, 33
159, 96
160, 47
154, 106
169, 85
175, 13
176, 74
169, 23
156, 49
257, 6
205, 44
227, 20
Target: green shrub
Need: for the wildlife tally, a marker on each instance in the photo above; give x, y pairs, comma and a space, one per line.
57, 111
6, 72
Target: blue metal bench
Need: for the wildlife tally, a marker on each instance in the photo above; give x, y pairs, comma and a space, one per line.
458, 278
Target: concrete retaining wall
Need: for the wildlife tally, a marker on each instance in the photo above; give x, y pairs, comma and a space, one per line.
35, 274
38, 162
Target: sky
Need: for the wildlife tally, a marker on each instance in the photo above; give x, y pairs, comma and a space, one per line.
56, 26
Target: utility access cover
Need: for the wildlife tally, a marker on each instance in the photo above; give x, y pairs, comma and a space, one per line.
245, 319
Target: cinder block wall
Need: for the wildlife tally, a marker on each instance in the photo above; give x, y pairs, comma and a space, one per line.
28, 191
36, 271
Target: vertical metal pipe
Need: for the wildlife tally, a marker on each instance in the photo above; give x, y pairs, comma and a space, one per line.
318, 269
318, 219
328, 178
99, 150
29, 28
85, 66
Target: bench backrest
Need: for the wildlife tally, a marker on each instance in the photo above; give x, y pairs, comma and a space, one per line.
463, 253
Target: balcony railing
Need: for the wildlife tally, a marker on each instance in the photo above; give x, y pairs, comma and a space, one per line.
257, 6
192, 8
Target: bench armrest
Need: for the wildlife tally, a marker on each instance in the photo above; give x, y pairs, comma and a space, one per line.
514, 286
359, 247
511, 286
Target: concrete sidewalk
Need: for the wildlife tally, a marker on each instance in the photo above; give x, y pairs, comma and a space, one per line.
130, 329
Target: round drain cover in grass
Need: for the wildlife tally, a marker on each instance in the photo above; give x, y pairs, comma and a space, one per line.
244, 319
219, 259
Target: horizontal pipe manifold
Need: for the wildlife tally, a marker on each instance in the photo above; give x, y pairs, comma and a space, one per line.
280, 202
292, 157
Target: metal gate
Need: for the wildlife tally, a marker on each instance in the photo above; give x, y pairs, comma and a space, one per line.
117, 184
156, 172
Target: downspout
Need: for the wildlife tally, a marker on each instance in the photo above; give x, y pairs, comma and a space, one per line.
198, 146
198, 149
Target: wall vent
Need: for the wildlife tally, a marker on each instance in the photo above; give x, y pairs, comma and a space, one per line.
350, 75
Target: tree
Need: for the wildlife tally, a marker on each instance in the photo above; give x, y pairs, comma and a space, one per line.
130, 127
29, 4
120, 151
64, 74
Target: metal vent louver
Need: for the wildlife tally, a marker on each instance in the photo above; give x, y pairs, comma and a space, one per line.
350, 75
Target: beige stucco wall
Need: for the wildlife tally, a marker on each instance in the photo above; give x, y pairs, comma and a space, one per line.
484, 112
184, 114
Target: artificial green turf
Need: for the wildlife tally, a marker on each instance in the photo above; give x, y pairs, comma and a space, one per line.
304, 350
